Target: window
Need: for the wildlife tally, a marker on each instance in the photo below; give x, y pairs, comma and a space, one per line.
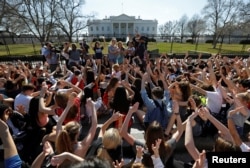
147, 28
97, 28
91, 28
142, 28
153, 28
108, 28
102, 28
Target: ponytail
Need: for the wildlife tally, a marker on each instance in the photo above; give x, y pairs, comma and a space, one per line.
103, 154
63, 143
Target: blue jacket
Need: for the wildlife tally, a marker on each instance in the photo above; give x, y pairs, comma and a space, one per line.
150, 104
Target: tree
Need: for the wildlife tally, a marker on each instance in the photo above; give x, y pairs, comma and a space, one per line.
182, 26
218, 14
168, 30
6, 10
69, 18
195, 27
245, 18
3, 6
36, 15
245, 12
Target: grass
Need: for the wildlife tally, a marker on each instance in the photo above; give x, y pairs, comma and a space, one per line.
28, 49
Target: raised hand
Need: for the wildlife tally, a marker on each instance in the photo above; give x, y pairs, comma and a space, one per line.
155, 147
116, 116
90, 103
139, 151
47, 148
3, 126
200, 163
44, 89
204, 112
134, 107
58, 159
192, 103
116, 164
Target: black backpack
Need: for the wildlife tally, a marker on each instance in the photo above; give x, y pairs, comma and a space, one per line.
152, 116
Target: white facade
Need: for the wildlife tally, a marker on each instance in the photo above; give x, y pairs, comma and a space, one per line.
121, 26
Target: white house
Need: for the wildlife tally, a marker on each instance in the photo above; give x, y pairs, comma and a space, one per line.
121, 26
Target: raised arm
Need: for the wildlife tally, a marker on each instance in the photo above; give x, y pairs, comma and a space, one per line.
86, 142
113, 118
196, 79
9, 146
128, 88
222, 128
156, 157
47, 150
73, 88
189, 140
124, 130
163, 79
178, 133
229, 83
198, 89
59, 159
42, 106
63, 116
233, 131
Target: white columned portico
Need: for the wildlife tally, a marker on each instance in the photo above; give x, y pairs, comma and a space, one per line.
121, 25
119, 29
127, 28
112, 28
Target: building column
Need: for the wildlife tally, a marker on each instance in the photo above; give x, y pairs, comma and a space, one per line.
112, 29
133, 28
119, 29
126, 29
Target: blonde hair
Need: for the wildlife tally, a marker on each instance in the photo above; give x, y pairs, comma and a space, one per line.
137, 165
120, 42
243, 96
116, 66
111, 139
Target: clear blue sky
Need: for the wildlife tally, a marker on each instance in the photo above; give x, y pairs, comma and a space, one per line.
161, 10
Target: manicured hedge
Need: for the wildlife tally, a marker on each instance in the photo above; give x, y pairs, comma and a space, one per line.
245, 42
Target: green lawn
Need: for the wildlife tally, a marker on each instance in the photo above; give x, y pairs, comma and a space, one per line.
28, 49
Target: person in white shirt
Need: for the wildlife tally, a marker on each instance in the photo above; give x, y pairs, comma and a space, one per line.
116, 73
23, 98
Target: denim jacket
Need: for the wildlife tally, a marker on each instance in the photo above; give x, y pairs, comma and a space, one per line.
149, 103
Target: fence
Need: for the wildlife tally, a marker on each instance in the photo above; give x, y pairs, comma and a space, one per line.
35, 59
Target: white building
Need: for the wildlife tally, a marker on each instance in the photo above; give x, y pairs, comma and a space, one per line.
121, 26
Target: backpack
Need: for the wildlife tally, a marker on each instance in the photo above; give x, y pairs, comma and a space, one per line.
159, 114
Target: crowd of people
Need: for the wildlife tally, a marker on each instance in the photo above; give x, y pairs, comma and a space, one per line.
46, 109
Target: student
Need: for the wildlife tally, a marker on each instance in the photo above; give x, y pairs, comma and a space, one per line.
121, 102
152, 134
239, 111
158, 107
113, 52
224, 143
98, 50
11, 157
109, 145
